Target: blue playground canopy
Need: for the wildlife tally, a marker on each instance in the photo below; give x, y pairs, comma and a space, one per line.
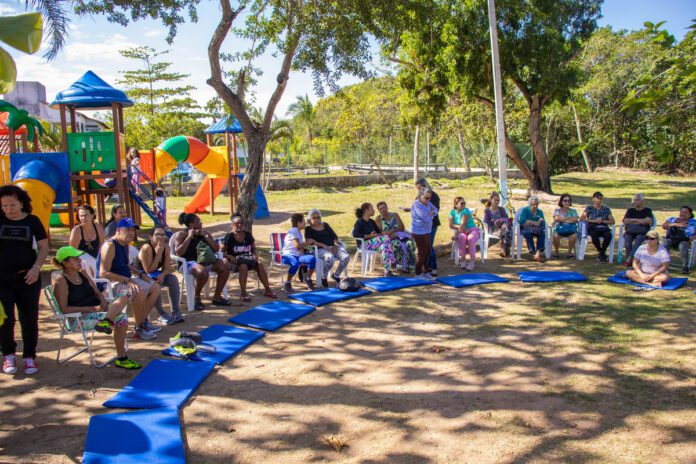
228, 124
90, 91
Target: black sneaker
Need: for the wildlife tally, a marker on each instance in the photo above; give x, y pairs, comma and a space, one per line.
310, 284
325, 283
288, 288
336, 279
685, 270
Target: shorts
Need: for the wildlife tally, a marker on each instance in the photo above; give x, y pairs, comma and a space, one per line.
121, 289
566, 234
252, 264
89, 320
190, 264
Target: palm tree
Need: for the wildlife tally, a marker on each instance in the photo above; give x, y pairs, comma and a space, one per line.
303, 111
18, 118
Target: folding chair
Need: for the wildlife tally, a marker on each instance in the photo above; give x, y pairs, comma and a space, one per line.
71, 324
189, 282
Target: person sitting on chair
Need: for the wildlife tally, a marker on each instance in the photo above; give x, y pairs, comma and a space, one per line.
565, 225
293, 253
199, 250
88, 235
329, 248
498, 222
114, 264
681, 232
637, 222
650, 262
599, 221
239, 249
403, 246
75, 292
155, 260
118, 212
366, 229
532, 225
466, 233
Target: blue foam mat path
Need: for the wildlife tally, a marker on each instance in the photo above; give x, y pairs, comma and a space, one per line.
162, 383
551, 276
150, 436
272, 316
468, 280
385, 284
672, 284
327, 295
227, 340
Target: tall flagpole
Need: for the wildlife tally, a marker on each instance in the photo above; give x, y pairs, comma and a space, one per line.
498, 93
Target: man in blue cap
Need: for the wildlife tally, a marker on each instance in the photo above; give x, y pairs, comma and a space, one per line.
115, 265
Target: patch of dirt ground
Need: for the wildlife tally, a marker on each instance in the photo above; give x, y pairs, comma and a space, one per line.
505, 373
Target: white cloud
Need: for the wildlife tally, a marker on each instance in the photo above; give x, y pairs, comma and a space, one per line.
102, 51
6, 9
153, 32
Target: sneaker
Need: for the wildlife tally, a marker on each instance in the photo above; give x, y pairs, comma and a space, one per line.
150, 327
685, 270
166, 320
104, 326
30, 366
288, 288
310, 284
9, 366
433, 272
127, 363
325, 283
143, 334
336, 279
198, 305
471, 266
178, 319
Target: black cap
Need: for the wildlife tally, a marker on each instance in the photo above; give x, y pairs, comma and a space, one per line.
597, 195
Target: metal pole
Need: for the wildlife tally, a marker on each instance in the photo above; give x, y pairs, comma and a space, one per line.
498, 92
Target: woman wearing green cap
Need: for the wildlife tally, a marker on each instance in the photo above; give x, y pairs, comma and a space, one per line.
76, 293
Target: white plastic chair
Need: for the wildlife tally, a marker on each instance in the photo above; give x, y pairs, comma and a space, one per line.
455, 251
584, 239
488, 237
69, 324
518, 238
89, 265
549, 242
367, 258
620, 247
189, 282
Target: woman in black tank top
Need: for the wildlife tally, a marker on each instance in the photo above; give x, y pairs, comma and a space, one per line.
88, 235
76, 293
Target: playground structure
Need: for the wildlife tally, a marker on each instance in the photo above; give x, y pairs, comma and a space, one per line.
92, 165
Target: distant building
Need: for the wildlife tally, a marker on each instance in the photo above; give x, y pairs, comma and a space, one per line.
31, 96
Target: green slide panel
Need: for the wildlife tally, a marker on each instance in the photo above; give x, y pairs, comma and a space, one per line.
177, 147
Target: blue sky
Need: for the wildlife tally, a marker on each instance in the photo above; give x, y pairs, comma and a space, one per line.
94, 44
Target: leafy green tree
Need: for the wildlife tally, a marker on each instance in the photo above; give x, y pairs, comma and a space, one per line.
447, 53
302, 111
162, 108
323, 38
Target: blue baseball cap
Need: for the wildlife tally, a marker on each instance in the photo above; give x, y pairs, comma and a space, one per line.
127, 223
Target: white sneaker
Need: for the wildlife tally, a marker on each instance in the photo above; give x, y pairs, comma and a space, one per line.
433, 273
9, 366
30, 366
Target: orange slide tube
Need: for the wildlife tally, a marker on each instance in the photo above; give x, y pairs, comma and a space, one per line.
201, 200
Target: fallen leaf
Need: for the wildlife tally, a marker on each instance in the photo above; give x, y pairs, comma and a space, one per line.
334, 442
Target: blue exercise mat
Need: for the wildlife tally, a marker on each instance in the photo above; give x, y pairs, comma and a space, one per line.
385, 284
551, 276
162, 383
327, 295
469, 280
272, 316
672, 284
227, 340
151, 436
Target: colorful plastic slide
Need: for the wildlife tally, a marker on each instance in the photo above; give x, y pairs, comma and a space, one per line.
210, 160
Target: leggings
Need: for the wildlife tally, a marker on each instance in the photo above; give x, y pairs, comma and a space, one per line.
382, 243
682, 246
13, 291
329, 259
296, 261
423, 246
504, 231
172, 283
467, 240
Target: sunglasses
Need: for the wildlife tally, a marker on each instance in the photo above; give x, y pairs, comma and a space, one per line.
315, 218
566, 200
650, 238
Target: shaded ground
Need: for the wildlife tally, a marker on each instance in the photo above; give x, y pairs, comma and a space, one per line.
506, 373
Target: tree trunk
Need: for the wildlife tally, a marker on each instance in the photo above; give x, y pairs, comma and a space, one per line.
246, 204
541, 180
585, 157
464, 152
415, 153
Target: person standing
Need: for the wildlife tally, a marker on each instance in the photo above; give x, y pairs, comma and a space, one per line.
422, 214
435, 201
20, 269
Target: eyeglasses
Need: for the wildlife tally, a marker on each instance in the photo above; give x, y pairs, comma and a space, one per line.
566, 200
314, 218
160, 235
650, 238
